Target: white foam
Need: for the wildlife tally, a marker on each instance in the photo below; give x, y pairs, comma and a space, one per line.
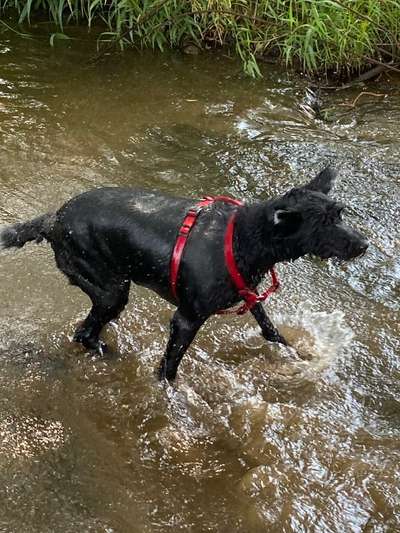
321, 335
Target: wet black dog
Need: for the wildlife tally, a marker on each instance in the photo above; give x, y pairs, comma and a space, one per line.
106, 238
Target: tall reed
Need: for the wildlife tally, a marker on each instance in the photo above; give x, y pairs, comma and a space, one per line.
319, 36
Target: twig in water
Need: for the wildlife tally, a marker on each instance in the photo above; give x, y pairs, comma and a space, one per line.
363, 93
372, 73
388, 66
24, 35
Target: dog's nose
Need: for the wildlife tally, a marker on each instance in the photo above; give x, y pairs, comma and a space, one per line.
363, 247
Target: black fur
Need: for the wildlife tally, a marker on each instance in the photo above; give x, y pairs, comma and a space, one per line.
106, 238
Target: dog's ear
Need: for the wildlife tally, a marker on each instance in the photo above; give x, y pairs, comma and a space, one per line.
287, 221
323, 181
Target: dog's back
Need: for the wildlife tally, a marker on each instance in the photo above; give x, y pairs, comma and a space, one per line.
118, 232
110, 234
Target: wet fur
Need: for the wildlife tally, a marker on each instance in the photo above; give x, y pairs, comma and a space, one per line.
106, 238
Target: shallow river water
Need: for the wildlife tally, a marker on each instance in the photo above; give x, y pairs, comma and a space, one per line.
247, 440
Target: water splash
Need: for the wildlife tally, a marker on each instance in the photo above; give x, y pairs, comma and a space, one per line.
318, 336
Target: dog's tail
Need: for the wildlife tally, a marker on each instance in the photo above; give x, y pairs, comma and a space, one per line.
17, 235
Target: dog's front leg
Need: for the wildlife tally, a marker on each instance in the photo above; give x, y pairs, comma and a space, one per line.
182, 331
268, 330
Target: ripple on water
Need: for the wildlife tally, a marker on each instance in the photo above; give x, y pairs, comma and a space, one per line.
27, 437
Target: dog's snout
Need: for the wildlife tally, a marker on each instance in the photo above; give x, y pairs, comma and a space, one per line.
363, 246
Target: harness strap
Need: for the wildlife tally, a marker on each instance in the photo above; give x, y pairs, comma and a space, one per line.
183, 234
249, 296
180, 242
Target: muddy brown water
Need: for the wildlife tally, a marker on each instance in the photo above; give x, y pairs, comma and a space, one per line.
248, 440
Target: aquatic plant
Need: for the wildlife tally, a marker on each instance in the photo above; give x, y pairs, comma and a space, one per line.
318, 36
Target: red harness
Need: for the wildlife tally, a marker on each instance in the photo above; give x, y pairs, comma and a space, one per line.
249, 296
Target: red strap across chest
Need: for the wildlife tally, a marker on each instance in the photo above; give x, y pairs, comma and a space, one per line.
180, 242
250, 297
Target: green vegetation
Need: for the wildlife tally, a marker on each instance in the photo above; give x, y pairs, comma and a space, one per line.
318, 36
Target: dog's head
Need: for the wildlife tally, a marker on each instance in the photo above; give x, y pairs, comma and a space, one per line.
306, 221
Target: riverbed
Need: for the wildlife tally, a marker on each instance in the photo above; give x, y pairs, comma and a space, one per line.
247, 439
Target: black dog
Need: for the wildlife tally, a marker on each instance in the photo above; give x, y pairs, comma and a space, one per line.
106, 238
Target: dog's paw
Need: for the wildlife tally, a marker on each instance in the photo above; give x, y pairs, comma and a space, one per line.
282, 340
289, 353
101, 348
163, 373
277, 337
96, 345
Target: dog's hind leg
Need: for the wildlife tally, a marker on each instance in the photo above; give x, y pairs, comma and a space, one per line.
109, 294
268, 330
182, 331
107, 304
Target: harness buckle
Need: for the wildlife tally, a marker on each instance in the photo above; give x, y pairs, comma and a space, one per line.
194, 211
184, 231
250, 297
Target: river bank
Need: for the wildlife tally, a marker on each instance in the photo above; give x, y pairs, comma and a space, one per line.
334, 38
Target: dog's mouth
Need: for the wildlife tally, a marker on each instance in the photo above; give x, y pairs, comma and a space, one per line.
355, 254
337, 258
346, 250
320, 257
316, 258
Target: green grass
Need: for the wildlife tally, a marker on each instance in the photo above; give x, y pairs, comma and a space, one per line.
318, 36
